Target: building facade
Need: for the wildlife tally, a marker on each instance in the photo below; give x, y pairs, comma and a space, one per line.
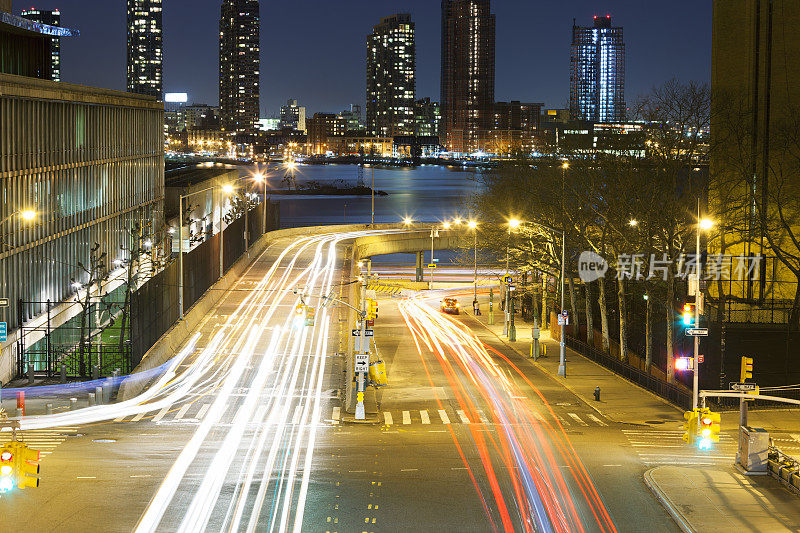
239, 66
145, 48
50, 18
391, 76
353, 118
89, 163
293, 116
468, 73
597, 72
515, 128
325, 133
755, 81
427, 118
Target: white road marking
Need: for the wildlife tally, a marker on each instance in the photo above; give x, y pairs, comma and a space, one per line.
161, 414
483, 418
577, 419
120, 418
443, 416
297, 412
182, 411
387, 418
406, 417
335, 415
138, 417
463, 416
596, 420
563, 422
203, 409
424, 416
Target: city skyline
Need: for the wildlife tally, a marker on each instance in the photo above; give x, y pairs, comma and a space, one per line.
544, 32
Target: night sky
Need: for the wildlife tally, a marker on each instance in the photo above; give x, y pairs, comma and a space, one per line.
314, 50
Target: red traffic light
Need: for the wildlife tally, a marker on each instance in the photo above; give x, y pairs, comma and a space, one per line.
6, 456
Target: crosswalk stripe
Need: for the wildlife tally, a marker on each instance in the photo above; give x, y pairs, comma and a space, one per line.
120, 418
203, 409
297, 412
161, 414
406, 417
443, 416
597, 420
182, 411
483, 418
463, 416
138, 417
337, 412
563, 422
387, 418
424, 416
577, 419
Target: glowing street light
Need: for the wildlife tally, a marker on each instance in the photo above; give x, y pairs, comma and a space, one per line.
408, 221
514, 223
633, 222
227, 188
446, 225
706, 224
28, 215
565, 165
457, 221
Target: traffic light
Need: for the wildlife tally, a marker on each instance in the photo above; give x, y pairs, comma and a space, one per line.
7, 468
746, 370
27, 470
682, 364
688, 314
690, 426
709, 428
372, 309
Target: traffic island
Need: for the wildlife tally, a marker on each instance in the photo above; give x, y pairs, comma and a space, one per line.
712, 499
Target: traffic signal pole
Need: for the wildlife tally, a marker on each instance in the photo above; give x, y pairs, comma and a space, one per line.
364, 347
697, 303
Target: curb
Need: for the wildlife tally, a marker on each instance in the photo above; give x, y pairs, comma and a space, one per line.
568, 387
676, 515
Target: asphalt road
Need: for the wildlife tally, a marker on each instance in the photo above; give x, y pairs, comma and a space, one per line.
245, 432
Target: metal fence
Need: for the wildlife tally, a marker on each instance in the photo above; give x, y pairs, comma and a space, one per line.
666, 390
153, 309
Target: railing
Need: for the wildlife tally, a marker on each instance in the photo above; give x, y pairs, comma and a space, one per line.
784, 468
660, 387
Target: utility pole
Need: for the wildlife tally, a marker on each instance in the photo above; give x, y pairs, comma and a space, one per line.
697, 304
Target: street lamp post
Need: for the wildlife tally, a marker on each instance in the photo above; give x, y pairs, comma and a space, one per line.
512, 224
474, 227
702, 224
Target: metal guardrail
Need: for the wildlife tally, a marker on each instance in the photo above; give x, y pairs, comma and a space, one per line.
657, 386
784, 468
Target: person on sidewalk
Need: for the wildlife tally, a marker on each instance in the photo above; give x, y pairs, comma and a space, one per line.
476, 309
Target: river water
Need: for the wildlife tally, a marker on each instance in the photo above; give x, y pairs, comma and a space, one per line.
428, 193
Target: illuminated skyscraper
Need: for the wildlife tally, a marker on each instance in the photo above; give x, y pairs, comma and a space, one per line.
597, 72
391, 77
468, 53
51, 18
239, 29
145, 48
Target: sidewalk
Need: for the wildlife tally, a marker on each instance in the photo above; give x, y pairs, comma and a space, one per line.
620, 400
721, 499
700, 499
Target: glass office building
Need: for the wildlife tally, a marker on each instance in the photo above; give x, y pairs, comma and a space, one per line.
50, 18
597, 72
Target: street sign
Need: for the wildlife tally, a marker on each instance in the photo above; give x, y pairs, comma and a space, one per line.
367, 333
535, 333
744, 386
3, 331
700, 358
431, 265
511, 287
508, 280
565, 313
563, 320
3, 302
697, 332
362, 362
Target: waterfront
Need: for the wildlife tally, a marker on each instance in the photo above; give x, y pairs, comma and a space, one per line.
428, 193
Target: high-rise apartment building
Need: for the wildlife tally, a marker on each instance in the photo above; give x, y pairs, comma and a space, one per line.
597, 72
391, 76
353, 118
239, 51
145, 48
51, 18
427, 118
468, 62
293, 116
